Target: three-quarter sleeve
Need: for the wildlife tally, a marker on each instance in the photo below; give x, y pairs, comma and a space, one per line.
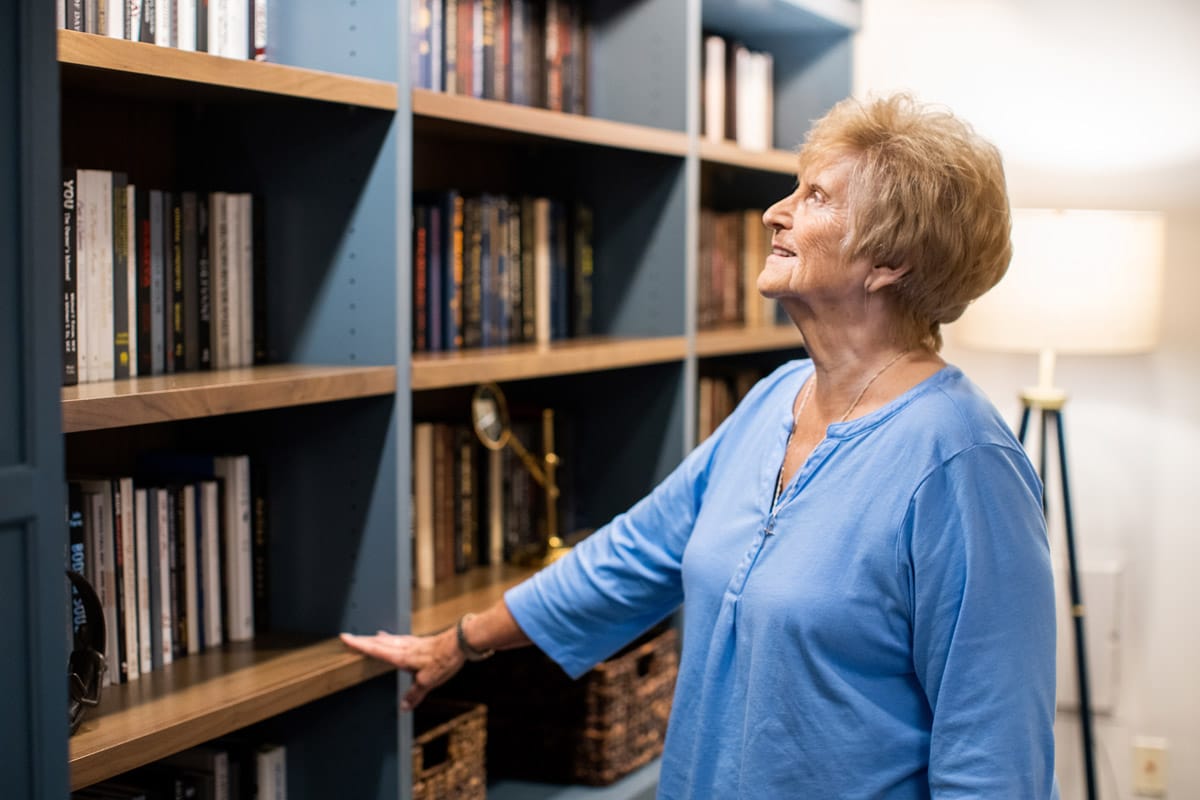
975, 556
620, 580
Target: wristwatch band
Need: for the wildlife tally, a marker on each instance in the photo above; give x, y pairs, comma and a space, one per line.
468, 651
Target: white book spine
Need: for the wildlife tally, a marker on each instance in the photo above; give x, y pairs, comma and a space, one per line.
104, 265
236, 29
166, 621
714, 88
141, 526
271, 769
115, 19
214, 27
423, 502
60, 13
767, 82
260, 30
162, 23
231, 260
83, 278
186, 24
219, 277
234, 471
245, 211
133, 20
210, 548
190, 569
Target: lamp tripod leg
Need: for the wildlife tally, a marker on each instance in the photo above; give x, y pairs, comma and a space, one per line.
1077, 615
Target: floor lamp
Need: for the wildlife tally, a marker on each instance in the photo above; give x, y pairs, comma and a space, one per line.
1080, 283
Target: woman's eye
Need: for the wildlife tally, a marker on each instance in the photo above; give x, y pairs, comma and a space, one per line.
815, 196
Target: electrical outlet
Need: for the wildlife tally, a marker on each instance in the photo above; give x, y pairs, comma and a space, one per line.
1150, 767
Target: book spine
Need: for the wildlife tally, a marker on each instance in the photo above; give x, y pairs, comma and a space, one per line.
170, 283
453, 284
157, 281
260, 551
472, 287
436, 251
120, 268
583, 269
176, 294
165, 619
204, 295
487, 32
133, 20
141, 527
191, 283
145, 319
154, 577
75, 15
77, 553
528, 283
70, 298
245, 272
258, 285
420, 234
119, 619
450, 47
210, 554
202, 18
185, 24
260, 31
465, 48
102, 241
131, 276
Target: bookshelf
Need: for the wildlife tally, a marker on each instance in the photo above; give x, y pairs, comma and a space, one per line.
332, 139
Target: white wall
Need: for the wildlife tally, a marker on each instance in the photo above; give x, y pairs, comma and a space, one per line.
1096, 104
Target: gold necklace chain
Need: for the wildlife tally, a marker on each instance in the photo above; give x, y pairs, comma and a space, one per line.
866, 386
808, 390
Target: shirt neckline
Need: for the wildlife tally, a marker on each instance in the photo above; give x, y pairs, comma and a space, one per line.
853, 427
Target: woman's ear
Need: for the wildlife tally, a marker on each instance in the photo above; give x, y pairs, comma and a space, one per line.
884, 275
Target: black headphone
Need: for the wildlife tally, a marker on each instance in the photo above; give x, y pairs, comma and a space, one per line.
86, 666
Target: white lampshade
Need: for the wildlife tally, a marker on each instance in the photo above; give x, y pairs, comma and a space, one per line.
1080, 282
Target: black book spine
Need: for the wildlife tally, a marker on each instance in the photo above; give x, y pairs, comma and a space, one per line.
141, 212
77, 555
202, 26
191, 284
70, 294
176, 313
258, 277
203, 284
119, 535
120, 266
75, 15
167, 255
179, 580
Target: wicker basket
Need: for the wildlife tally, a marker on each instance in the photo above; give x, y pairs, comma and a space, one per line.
448, 751
544, 726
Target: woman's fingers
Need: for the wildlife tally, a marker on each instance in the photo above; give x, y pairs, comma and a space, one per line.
431, 660
393, 649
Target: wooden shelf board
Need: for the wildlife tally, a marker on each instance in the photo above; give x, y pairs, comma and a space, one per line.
779, 161
544, 124
439, 608
518, 362
188, 395
205, 696
732, 341
158, 63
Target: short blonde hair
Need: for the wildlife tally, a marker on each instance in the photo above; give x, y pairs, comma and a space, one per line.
928, 193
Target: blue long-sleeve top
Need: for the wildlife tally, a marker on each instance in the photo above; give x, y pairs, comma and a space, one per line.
887, 631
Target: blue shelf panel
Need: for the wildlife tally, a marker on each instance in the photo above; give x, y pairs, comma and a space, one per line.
640, 784
749, 18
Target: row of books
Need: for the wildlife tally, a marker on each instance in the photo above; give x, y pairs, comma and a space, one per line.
734, 245
717, 395
224, 770
156, 281
492, 270
178, 563
529, 52
230, 28
738, 94
471, 506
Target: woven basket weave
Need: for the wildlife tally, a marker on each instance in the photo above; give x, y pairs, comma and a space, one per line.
544, 726
448, 751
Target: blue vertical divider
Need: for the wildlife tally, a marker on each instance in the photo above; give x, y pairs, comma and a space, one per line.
33, 610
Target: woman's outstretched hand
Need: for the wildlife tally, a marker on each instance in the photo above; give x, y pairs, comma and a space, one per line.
432, 660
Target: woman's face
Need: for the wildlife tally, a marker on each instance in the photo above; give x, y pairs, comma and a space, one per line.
807, 259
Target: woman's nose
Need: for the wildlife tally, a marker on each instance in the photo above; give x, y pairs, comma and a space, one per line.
779, 215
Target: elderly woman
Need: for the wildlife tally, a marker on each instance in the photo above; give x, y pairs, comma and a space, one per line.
859, 549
